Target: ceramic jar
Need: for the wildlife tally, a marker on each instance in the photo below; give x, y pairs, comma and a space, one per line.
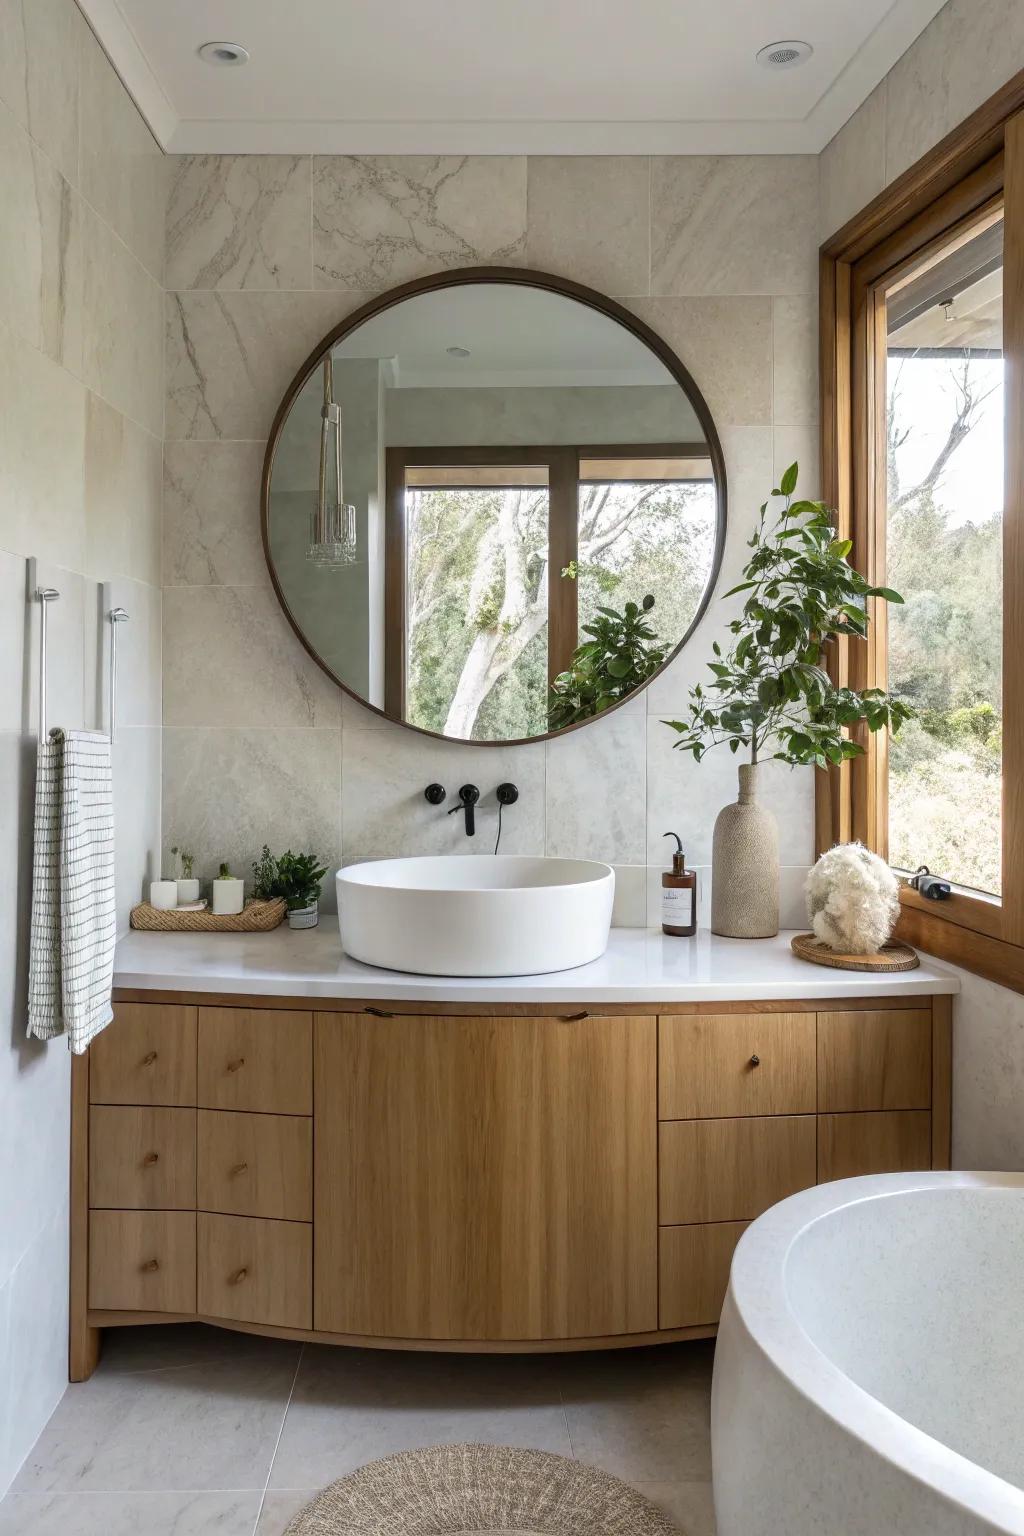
228, 896
745, 866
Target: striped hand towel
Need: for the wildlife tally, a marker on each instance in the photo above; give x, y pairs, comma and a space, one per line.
71, 962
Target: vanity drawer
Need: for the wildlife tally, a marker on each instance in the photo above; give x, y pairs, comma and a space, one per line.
732, 1170
142, 1261
891, 1141
142, 1158
693, 1271
255, 1165
256, 1059
256, 1271
735, 1064
875, 1059
146, 1056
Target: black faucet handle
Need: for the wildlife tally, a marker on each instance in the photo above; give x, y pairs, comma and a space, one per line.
507, 794
469, 794
435, 793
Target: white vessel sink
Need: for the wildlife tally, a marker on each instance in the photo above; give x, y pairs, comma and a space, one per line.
476, 914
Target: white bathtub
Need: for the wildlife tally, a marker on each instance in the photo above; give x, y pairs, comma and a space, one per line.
869, 1374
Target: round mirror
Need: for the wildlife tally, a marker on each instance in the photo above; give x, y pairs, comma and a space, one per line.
493, 505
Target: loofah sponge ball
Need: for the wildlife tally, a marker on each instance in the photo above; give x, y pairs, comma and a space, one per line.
852, 900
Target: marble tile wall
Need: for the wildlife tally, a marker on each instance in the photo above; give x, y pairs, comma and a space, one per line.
963, 56
264, 254
81, 429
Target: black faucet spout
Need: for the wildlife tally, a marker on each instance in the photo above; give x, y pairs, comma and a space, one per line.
468, 797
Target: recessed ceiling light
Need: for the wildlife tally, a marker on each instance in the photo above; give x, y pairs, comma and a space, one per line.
788, 54
224, 54
457, 351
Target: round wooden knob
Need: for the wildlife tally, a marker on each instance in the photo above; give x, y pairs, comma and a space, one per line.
147, 1061
238, 1276
755, 1061
238, 1168
233, 1066
150, 1158
150, 1266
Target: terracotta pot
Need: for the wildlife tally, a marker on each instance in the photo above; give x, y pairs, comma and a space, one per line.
745, 866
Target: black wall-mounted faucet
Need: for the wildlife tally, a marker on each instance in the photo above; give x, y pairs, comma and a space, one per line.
468, 797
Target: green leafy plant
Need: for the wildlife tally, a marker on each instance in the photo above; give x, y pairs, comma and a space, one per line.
771, 692
224, 873
188, 861
294, 878
620, 655
298, 880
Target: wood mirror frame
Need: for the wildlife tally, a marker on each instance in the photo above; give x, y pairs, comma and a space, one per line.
523, 277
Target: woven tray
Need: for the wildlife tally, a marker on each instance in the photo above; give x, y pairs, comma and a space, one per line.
893, 956
255, 917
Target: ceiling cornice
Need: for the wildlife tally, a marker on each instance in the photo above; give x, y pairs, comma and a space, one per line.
902, 24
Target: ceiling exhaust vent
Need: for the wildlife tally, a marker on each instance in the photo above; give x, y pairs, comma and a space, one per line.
785, 55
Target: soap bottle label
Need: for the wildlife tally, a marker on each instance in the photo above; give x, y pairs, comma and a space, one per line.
676, 907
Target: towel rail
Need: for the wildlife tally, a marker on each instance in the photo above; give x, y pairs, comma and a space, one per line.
44, 596
116, 617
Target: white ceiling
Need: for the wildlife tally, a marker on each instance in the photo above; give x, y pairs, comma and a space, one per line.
502, 76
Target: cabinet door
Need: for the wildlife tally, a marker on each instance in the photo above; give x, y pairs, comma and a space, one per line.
890, 1141
481, 1178
256, 1059
875, 1059
147, 1056
714, 1065
732, 1170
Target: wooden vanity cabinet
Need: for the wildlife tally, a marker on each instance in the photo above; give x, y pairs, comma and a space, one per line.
506, 1179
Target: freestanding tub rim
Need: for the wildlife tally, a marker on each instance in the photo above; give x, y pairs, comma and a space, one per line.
759, 1295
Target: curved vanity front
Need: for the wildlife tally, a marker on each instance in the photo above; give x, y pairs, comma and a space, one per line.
274, 1137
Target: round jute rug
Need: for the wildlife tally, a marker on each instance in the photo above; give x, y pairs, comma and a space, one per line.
479, 1490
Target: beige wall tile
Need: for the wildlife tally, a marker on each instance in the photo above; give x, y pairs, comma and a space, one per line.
851, 169
40, 249
122, 327
212, 515
230, 659
588, 218
291, 798
239, 221
231, 356
379, 220
122, 495
799, 445
726, 344
42, 443
795, 396
595, 793
727, 224
123, 169
384, 813
39, 43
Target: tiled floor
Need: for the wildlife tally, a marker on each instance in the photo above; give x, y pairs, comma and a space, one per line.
189, 1430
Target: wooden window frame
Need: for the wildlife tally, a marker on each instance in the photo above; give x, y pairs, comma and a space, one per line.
563, 466
978, 168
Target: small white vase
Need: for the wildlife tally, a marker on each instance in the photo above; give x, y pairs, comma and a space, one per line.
163, 895
745, 866
188, 890
228, 896
304, 917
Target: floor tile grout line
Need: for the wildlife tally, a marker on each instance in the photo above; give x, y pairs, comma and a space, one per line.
568, 1431
277, 1442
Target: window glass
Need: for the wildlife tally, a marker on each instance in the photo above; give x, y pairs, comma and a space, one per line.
944, 464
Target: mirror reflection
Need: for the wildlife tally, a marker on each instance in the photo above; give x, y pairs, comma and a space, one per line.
492, 511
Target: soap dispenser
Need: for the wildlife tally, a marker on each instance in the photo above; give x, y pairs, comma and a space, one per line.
679, 895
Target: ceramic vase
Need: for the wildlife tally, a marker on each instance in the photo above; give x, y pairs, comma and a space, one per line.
228, 896
745, 866
304, 917
188, 890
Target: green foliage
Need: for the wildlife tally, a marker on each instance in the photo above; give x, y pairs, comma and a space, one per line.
294, 878
620, 655
224, 873
187, 862
771, 689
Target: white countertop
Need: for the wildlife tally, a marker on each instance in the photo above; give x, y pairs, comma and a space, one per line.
639, 965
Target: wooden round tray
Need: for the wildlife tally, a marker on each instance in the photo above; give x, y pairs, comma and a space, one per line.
893, 956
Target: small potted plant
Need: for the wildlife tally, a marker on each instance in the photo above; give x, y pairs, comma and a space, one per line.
298, 880
228, 893
188, 887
